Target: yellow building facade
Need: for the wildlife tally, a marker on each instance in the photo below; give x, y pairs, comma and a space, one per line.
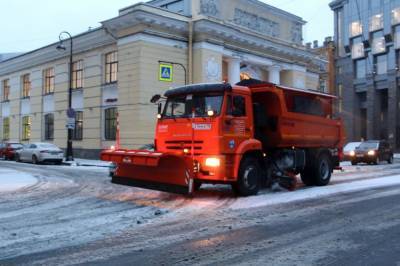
146, 50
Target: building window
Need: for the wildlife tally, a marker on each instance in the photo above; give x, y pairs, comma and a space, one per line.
110, 123
357, 49
355, 29
396, 16
26, 128
77, 75
6, 128
323, 84
78, 131
26, 86
48, 75
380, 63
378, 43
376, 22
6, 90
111, 67
360, 68
49, 127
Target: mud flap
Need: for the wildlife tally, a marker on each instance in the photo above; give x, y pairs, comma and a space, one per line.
163, 172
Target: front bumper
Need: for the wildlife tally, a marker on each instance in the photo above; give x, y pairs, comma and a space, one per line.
363, 158
215, 174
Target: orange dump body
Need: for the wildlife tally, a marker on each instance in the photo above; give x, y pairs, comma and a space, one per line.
209, 148
300, 119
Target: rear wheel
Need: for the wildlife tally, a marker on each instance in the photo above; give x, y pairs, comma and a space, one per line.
306, 177
390, 160
319, 171
197, 185
323, 170
17, 158
34, 159
249, 180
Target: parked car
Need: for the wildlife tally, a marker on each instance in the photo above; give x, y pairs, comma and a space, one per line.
146, 147
349, 151
8, 150
39, 153
373, 151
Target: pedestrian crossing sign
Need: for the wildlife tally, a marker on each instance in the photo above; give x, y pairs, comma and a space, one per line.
166, 72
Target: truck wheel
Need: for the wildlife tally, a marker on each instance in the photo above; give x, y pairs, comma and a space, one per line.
390, 160
322, 170
307, 178
197, 185
249, 180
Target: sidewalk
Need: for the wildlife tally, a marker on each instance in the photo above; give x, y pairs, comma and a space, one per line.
86, 162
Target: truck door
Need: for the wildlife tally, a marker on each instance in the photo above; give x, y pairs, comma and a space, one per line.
237, 126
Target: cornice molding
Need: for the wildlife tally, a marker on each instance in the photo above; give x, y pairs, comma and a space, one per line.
82, 43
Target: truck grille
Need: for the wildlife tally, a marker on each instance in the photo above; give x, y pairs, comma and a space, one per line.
183, 144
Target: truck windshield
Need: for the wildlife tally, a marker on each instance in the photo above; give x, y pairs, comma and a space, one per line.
182, 106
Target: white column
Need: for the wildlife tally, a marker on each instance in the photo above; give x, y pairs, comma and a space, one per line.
275, 74
233, 70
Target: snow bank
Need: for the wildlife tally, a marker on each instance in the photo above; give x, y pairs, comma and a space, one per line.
314, 192
11, 180
85, 162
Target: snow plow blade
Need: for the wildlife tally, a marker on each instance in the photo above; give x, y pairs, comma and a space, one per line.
151, 170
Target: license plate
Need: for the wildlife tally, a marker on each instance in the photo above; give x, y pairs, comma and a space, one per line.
360, 156
54, 153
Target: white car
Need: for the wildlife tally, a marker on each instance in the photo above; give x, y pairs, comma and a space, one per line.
39, 153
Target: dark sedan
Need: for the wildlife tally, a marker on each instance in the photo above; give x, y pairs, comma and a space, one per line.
373, 152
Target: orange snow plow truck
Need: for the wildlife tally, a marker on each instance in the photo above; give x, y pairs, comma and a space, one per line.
250, 136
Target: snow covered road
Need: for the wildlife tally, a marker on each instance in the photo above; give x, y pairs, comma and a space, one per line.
73, 215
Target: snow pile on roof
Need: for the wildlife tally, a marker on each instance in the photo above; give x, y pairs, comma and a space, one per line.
11, 180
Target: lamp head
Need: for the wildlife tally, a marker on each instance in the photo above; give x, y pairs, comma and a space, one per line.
61, 47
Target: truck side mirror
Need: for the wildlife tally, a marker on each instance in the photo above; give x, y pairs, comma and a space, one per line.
155, 98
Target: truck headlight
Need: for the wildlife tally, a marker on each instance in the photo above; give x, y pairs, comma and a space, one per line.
213, 162
352, 153
371, 153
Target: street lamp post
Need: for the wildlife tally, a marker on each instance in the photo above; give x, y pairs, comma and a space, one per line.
61, 47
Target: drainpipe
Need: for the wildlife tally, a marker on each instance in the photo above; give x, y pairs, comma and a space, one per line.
190, 52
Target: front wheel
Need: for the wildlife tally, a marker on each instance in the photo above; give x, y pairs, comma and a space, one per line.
377, 160
249, 180
353, 163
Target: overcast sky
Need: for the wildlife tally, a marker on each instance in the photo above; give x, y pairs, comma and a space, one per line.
30, 24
